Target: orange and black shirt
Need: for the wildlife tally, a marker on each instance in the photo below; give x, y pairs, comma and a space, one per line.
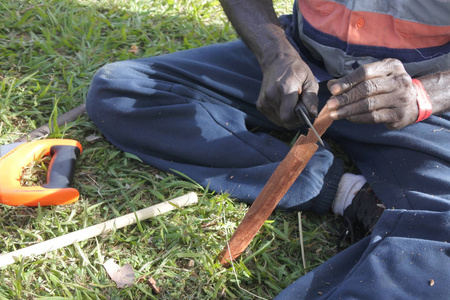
348, 33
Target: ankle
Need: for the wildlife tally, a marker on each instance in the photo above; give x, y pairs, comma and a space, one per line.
348, 187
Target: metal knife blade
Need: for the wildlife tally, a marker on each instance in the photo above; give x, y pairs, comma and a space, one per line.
299, 110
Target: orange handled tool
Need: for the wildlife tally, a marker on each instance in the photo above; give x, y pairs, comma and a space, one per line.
63, 154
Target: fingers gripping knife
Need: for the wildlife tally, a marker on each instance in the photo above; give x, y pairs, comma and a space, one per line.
15, 157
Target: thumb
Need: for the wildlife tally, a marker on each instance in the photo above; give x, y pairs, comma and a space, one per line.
310, 100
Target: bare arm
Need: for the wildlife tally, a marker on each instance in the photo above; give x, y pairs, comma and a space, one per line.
284, 72
257, 24
438, 89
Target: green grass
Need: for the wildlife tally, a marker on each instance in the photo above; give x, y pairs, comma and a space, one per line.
49, 51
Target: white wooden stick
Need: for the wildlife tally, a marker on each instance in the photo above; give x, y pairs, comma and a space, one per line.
95, 230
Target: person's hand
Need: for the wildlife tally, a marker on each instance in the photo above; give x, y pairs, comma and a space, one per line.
380, 92
284, 79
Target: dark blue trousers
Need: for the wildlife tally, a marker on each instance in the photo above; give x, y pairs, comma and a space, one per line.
194, 112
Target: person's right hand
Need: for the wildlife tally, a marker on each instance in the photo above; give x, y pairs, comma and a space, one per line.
284, 78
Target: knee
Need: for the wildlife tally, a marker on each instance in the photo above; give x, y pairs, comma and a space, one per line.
121, 76
107, 75
110, 81
101, 87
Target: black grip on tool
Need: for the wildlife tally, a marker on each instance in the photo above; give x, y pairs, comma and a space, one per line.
302, 113
62, 166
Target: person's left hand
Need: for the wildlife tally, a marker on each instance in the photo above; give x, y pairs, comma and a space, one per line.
380, 92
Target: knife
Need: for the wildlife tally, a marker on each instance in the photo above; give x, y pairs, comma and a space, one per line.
301, 112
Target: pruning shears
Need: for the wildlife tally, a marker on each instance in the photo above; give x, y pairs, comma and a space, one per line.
57, 190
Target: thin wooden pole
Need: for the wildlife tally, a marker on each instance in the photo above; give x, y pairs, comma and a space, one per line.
95, 230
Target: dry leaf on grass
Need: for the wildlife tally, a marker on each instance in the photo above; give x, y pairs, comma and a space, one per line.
134, 49
155, 288
121, 276
92, 137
